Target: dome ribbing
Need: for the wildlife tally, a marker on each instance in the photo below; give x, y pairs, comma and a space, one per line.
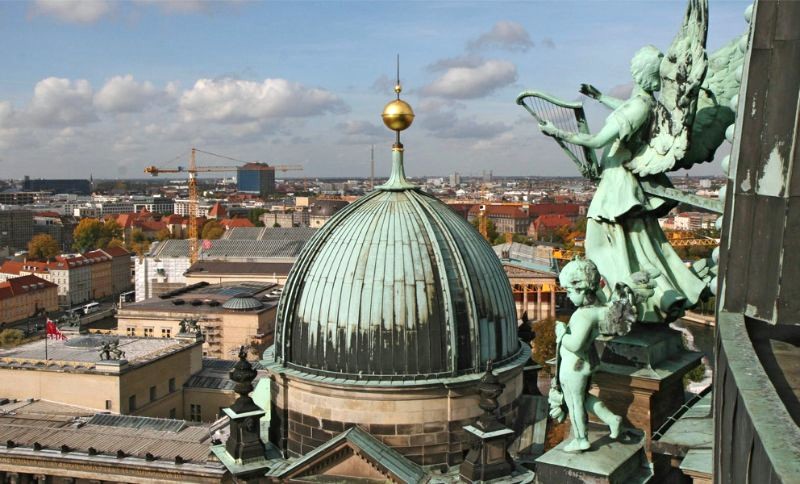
396, 286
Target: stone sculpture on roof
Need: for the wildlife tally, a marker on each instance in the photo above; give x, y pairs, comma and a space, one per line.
576, 355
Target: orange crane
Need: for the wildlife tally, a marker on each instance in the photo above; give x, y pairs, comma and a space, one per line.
193, 170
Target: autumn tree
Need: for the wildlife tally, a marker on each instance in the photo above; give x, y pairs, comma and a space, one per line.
87, 234
139, 242
492, 235
109, 231
212, 230
42, 247
163, 234
92, 233
116, 243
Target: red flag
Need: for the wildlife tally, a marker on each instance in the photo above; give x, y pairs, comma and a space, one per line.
52, 332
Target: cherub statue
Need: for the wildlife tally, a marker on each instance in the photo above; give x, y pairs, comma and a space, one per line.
644, 138
576, 355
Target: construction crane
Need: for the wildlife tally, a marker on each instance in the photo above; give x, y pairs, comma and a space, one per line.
193, 170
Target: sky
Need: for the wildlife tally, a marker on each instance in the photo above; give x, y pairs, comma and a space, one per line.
106, 88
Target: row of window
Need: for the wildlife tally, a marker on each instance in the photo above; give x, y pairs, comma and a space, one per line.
149, 332
153, 396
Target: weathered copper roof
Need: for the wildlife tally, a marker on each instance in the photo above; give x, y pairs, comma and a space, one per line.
396, 286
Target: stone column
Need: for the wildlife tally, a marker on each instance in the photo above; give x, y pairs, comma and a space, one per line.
538, 302
524, 299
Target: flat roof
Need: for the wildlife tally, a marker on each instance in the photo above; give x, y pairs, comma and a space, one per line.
83, 352
207, 299
99, 436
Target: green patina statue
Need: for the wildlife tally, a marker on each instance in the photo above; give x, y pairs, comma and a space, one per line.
644, 138
577, 357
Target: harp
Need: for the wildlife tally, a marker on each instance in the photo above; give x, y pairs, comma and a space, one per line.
567, 116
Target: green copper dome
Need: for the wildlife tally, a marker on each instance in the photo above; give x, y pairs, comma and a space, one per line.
396, 286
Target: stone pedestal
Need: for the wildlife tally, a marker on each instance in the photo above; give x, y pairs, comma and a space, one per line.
608, 461
488, 459
641, 376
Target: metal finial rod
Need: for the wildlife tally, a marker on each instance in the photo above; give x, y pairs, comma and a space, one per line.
397, 87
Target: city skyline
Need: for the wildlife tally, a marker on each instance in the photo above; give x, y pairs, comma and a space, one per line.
258, 81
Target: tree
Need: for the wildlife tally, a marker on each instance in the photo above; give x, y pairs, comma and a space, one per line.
276, 225
212, 230
116, 243
87, 234
111, 230
42, 247
163, 234
11, 337
491, 231
139, 242
255, 216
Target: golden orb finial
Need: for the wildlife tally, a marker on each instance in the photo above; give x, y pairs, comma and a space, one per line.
398, 115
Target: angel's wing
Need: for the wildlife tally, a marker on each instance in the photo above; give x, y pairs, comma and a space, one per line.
682, 72
714, 113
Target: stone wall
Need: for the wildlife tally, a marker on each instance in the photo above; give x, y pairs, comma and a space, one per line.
423, 423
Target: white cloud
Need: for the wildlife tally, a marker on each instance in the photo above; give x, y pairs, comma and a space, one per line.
473, 81
178, 6
124, 95
503, 35
235, 101
62, 102
470, 61
353, 127
446, 124
8, 128
74, 11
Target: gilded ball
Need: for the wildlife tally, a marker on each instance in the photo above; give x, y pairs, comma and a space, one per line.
398, 115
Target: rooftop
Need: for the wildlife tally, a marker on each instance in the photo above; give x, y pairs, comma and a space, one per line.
270, 233
208, 298
82, 353
69, 430
18, 286
249, 250
227, 267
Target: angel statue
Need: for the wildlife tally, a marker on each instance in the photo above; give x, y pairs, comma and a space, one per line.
645, 137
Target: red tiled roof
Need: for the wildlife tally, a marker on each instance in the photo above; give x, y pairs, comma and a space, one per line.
175, 219
96, 254
568, 209
116, 251
552, 221
47, 214
18, 286
11, 267
125, 220
150, 225
512, 211
217, 211
230, 223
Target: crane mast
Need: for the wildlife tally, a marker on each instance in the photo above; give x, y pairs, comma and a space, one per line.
193, 170
194, 248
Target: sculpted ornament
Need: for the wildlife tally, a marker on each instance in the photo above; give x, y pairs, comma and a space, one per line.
676, 116
576, 355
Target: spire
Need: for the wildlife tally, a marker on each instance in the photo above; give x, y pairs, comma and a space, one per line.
397, 116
